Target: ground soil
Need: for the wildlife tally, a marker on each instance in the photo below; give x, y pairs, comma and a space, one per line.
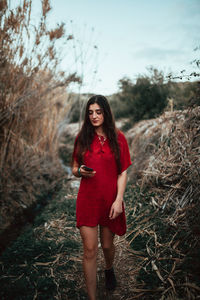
126, 268
60, 228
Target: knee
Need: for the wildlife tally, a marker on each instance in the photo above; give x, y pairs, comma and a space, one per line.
90, 252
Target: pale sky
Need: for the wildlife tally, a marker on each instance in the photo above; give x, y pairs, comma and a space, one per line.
130, 35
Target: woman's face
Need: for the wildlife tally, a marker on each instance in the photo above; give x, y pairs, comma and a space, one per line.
96, 115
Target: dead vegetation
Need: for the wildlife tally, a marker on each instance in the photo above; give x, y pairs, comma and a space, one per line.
48, 259
44, 262
163, 207
164, 213
33, 101
144, 138
159, 256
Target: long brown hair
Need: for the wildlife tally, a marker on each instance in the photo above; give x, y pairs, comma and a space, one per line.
87, 131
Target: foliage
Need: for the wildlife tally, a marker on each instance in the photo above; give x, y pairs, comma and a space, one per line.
150, 95
39, 263
184, 94
144, 99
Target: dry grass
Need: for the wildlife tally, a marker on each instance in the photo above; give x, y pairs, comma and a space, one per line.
164, 225
162, 212
46, 260
144, 138
159, 256
33, 101
175, 170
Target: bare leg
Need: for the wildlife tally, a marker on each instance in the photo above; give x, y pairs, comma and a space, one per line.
89, 237
106, 238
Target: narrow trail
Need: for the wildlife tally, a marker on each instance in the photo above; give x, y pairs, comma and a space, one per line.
45, 261
125, 266
125, 269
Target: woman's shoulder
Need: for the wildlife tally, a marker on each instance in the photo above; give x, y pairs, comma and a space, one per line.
120, 135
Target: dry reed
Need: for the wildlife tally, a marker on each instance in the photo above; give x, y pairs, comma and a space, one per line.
166, 226
33, 101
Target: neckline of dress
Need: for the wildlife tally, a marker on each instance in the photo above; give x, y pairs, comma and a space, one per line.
102, 139
101, 136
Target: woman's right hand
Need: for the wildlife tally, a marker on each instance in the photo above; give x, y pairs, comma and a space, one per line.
85, 173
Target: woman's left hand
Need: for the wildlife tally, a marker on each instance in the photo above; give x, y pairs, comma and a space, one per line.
116, 209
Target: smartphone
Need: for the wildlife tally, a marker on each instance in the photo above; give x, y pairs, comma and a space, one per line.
87, 168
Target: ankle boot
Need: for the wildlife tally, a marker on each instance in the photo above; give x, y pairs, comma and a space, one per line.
110, 279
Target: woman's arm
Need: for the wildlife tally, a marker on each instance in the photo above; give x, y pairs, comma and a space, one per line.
75, 169
81, 171
116, 208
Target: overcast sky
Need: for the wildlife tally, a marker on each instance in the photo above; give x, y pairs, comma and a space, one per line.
130, 35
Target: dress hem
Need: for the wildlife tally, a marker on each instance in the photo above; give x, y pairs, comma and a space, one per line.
119, 234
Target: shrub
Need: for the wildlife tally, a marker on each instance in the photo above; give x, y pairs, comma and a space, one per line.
144, 99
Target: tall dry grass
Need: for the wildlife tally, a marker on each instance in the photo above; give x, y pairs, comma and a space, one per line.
33, 101
174, 172
165, 224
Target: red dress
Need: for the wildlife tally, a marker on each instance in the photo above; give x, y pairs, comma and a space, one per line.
96, 194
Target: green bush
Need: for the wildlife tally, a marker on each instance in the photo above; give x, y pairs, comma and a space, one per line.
144, 99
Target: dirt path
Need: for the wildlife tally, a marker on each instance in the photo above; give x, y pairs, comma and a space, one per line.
125, 265
125, 268
47, 258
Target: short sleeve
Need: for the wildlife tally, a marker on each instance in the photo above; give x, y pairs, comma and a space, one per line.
125, 158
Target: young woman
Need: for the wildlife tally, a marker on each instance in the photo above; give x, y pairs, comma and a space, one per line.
104, 149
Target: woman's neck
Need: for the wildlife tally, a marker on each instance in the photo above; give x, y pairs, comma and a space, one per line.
99, 131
